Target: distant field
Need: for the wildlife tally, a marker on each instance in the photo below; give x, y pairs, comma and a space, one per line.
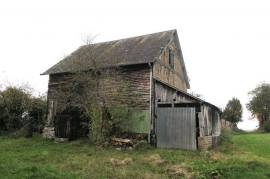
242, 156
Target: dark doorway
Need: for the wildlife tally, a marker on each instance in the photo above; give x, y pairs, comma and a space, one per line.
71, 123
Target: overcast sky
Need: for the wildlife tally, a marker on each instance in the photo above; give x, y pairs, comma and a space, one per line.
225, 44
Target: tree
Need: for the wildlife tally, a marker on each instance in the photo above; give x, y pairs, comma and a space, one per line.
14, 102
19, 109
233, 111
259, 105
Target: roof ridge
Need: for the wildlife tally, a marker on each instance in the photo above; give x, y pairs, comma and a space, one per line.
128, 38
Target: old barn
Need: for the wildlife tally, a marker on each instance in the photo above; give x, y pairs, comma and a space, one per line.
154, 67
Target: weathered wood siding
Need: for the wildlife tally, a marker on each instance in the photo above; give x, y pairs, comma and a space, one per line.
164, 93
134, 82
209, 121
226, 124
162, 70
57, 83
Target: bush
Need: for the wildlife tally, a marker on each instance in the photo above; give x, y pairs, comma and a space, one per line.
14, 102
19, 108
106, 121
37, 113
266, 126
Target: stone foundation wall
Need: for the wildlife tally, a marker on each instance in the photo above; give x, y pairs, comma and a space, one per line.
206, 142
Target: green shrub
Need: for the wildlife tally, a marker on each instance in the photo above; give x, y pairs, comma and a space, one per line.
37, 113
118, 115
14, 102
19, 108
106, 121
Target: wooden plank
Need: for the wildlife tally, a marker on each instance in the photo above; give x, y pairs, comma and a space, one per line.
132, 82
165, 73
166, 94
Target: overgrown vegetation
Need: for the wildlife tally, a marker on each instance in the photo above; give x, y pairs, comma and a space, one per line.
96, 89
242, 156
108, 122
20, 108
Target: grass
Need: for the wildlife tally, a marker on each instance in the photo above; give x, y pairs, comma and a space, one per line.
241, 156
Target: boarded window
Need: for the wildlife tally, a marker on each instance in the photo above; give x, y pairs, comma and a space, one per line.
171, 58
